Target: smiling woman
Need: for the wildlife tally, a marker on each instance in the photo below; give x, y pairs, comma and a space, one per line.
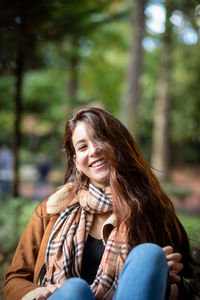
110, 232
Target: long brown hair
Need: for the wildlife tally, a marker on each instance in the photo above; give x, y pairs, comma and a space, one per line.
138, 199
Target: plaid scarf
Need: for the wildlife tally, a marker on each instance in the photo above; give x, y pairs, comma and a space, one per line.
66, 244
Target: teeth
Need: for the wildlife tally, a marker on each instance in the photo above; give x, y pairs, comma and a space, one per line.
98, 163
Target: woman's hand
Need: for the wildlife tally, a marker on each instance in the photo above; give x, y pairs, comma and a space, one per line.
47, 291
175, 266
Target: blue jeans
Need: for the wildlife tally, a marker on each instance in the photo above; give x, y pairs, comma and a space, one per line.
143, 277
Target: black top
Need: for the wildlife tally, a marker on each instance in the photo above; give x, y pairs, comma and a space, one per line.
92, 255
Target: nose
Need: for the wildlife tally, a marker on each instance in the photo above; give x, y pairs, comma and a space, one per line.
93, 149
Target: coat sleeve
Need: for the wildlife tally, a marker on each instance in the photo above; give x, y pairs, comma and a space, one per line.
19, 277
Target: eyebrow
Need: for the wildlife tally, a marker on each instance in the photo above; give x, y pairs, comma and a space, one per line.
79, 142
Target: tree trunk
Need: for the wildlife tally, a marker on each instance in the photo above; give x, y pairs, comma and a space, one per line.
17, 121
130, 107
161, 148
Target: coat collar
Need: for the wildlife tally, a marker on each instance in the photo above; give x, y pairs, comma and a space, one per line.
56, 199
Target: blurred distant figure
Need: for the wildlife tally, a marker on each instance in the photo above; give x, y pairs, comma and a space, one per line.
43, 167
6, 172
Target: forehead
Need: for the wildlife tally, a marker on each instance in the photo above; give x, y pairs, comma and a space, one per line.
81, 131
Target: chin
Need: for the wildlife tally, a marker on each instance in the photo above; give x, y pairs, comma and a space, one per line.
101, 184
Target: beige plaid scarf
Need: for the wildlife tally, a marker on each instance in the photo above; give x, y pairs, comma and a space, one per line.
66, 244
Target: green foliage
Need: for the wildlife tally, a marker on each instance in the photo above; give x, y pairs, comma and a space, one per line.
6, 108
191, 224
14, 216
6, 92
44, 94
102, 76
186, 104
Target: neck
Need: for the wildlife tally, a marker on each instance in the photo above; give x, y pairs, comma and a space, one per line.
98, 221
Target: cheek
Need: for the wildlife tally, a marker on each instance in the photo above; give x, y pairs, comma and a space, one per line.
81, 158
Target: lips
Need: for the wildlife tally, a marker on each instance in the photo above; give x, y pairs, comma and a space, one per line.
97, 163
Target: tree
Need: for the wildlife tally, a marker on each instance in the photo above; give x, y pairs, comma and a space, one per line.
130, 106
160, 151
21, 28
162, 136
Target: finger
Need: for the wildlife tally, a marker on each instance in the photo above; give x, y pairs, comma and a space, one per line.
175, 266
174, 278
168, 249
174, 256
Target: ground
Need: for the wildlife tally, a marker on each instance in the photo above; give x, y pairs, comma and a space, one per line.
187, 177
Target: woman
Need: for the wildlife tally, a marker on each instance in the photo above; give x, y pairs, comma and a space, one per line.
105, 227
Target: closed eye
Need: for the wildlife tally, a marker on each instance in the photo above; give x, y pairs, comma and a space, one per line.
82, 147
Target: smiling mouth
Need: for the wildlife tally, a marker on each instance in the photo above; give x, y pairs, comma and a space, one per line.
98, 163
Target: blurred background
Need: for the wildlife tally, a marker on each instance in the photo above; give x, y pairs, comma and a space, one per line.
138, 59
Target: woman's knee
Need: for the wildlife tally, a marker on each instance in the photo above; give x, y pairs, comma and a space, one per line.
147, 253
145, 271
149, 249
76, 288
75, 281
78, 285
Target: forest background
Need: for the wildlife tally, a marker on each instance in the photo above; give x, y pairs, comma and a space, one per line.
139, 59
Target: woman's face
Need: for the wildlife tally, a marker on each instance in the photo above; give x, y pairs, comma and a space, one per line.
88, 157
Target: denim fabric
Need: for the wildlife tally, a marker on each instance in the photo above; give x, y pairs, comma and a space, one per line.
73, 289
143, 277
